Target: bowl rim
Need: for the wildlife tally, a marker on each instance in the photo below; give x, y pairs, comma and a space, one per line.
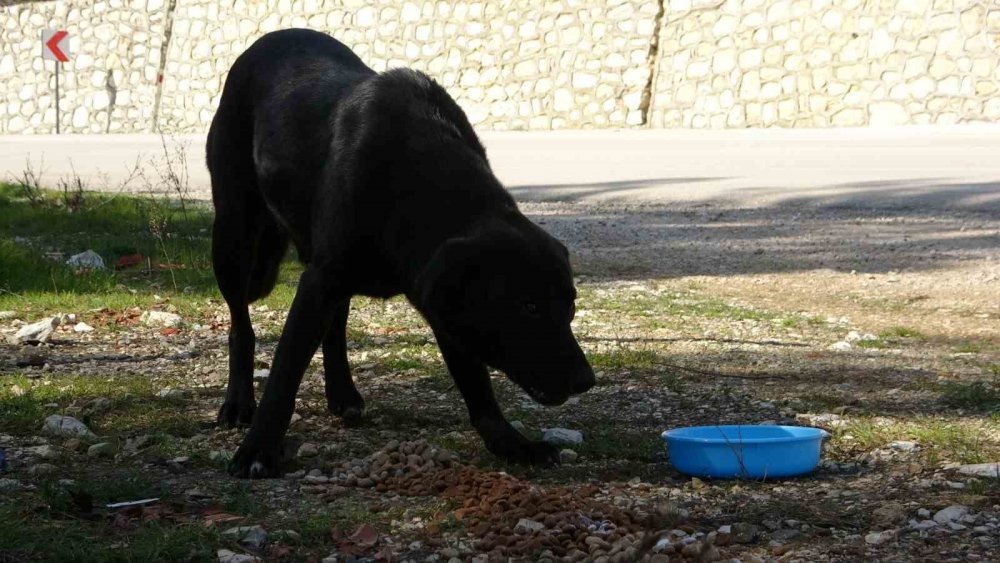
672, 435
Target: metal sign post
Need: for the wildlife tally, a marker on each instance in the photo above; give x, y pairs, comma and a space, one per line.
55, 47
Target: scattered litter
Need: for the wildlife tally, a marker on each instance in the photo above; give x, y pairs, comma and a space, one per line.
86, 259
131, 503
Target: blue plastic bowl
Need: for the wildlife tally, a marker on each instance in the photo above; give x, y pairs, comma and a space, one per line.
749, 452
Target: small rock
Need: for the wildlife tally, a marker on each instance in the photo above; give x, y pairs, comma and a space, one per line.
981, 469
248, 536
45, 451
86, 259
5, 315
103, 449
518, 425
67, 426
160, 318
568, 456
82, 327
449, 552
36, 333
889, 515
562, 436
219, 455
950, 514
307, 450
825, 420
744, 532
785, 535
173, 394
527, 526
841, 346
99, 404
7, 484
878, 538
922, 525
42, 469
924, 513
133, 445
261, 373
226, 556
903, 446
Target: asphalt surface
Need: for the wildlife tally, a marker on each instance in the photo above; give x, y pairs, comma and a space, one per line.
927, 167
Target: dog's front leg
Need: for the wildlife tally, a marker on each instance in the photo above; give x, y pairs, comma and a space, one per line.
473, 382
308, 320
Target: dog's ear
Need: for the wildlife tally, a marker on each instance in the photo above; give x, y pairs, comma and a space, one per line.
442, 286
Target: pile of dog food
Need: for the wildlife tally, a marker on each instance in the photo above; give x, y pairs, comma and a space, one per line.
512, 517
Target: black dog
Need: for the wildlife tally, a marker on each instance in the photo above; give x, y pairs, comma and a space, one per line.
384, 189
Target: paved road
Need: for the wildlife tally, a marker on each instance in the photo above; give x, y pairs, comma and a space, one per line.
938, 167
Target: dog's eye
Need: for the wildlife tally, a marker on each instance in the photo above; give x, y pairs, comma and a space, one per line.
531, 308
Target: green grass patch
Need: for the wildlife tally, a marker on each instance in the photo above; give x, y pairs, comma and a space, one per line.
872, 344
901, 332
962, 441
25, 535
134, 406
979, 395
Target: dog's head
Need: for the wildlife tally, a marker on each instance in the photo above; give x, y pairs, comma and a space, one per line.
504, 295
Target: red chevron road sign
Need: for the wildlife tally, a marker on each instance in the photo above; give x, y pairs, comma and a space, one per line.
55, 45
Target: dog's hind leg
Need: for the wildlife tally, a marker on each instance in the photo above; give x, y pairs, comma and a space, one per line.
342, 397
232, 260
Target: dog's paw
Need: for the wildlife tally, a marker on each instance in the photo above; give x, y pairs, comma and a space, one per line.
236, 413
350, 413
528, 452
255, 461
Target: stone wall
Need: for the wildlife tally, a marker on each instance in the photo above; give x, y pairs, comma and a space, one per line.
822, 63
516, 64
159, 65
110, 82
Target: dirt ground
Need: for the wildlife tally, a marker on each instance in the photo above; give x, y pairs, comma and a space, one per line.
878, 322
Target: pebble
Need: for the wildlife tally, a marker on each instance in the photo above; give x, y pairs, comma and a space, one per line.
568, 456
103, 449
743, 532
67, 426
878, 538
562, 436
518, 425
922, 525
160, 318
527, 526
226, 556
307, 449
248, 536
981, 469
950, 514
174, 394
37, 332
903, 446
7, 484
82, 327
841, 346
924, 513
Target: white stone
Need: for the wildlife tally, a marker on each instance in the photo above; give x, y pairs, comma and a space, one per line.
365, 17
982, 469
39, 331
887, 114
66, 426
528, 526
161, 318
953, 513
562, 100
584, 80
562, 436
82, 327
80, 117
